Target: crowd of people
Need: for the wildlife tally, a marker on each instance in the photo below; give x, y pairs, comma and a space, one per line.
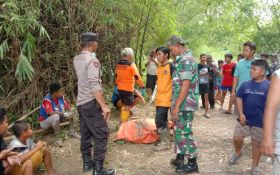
174, 86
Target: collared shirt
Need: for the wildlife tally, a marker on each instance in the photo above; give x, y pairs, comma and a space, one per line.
185, 69
88, 72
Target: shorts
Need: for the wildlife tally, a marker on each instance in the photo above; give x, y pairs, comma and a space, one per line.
115, 103
151, 81
37, 160
127, 97
226, 88
256, 133
203, 89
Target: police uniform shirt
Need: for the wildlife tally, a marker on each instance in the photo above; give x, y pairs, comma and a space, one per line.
87, 69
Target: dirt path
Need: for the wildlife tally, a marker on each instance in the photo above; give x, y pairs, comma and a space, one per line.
214, 137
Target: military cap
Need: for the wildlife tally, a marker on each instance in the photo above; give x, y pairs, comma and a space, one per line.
89, 36
176, 40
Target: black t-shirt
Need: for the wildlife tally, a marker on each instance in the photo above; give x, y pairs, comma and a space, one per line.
203, 73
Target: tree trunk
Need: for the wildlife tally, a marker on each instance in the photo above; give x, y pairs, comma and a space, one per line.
143, 39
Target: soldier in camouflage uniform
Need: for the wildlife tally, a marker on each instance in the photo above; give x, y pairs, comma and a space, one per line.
184, 103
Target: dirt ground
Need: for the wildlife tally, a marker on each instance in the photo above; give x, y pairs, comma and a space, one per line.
214, 137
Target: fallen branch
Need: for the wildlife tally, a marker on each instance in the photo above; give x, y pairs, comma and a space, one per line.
39, 131
25, 116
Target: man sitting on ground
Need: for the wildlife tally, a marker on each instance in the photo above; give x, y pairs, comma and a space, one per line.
53, 110
33, 155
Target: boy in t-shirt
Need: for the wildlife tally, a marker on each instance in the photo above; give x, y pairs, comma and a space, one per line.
163, 97
203, 78
251, 99
33, 153
227, 81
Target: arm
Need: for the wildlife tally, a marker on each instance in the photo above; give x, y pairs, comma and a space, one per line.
153, 60
100, 100
49, 109
137, 76
234, 85
138, 94
272, 105
28, 155
93, 72
242, 117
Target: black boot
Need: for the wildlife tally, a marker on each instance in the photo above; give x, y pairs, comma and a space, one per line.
191, 167
176, 161
99, 170
87, 162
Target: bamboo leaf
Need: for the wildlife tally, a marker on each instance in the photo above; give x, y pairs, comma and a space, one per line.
3, 48
24, 68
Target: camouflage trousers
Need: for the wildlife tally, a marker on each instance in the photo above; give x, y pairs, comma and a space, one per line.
184, 141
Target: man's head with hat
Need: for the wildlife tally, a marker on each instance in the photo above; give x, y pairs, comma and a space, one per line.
177, 45
89, 41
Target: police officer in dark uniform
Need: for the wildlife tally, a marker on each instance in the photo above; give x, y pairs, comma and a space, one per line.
93, 111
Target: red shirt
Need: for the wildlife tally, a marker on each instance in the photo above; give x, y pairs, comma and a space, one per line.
227, 74
48, 105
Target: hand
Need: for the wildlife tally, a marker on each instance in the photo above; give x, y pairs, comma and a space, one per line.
40, 144
175, 114
4, 153
242, 119
267, 146
142, 100
233, 95
106, 112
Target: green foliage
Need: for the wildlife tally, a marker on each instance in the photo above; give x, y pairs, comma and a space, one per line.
20, 22
39, 38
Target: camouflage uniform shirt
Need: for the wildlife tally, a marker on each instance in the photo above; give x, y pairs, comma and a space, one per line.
186, 69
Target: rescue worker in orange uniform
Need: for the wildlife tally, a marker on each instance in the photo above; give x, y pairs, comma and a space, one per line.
163, 97
126, 76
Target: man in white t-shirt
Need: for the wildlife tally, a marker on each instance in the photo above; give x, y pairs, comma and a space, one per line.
271, 128
151, 73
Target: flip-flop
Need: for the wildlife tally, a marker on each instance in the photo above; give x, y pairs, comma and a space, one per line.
228, 112
206, 116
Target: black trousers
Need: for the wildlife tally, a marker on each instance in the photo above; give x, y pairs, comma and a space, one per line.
211, 95
94, 128
161, 116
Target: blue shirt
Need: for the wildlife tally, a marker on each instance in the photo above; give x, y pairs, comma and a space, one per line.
253, 96
242, 71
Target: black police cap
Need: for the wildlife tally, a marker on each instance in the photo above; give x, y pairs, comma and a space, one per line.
89, 36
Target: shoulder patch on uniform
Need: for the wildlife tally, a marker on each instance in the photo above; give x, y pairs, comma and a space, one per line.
95, 64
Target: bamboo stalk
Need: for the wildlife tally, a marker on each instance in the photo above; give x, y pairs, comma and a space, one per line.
24, 116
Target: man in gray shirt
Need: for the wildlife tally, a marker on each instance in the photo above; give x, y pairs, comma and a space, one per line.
93, 111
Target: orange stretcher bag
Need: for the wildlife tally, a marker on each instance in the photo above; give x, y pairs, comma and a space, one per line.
138, 131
